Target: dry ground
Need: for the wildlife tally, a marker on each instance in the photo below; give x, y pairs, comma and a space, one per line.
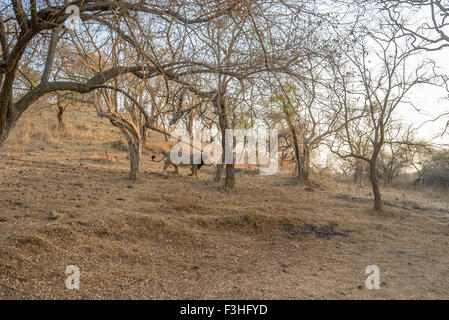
176, 237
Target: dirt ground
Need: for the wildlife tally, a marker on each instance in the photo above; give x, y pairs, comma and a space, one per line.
177, 237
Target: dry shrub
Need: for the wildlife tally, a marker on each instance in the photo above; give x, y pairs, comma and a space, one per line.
119, 145
405, 182
28, 241
434, 192
323, 181
188, 204
162, 146
160, 228
248, 223
65, 234
40, 126
387, 212
109, 159
103, 158
148, 197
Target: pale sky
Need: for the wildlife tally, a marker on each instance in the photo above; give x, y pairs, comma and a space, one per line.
432, 101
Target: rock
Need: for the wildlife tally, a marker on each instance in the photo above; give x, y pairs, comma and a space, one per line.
3, 219
405, 251
415, 205
130, 186
209, 182
53, 215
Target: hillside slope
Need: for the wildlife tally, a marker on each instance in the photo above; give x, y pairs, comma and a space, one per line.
169, 237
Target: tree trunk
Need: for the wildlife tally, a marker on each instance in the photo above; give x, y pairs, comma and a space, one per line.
60, 113
224, 124
358, 172
143, 133
218, 172
295, 145
10, 122
230, 176
135, 152
190, 124
304, 161
375, 186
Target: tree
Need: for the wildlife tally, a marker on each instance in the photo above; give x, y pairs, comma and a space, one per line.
381, 75
22, 28
425, 22
401, 147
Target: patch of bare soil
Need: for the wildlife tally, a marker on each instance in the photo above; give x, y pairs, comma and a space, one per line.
169, 237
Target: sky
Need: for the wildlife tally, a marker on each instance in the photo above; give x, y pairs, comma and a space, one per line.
432, 101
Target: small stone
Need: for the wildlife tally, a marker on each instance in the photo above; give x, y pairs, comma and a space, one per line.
130, 186
415, 206
3, 219
405, 251
209, 182
53, 215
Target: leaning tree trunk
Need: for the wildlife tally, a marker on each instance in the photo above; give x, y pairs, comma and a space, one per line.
375, 186
299, 164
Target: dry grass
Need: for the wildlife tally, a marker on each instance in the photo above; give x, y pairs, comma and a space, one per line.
176, 237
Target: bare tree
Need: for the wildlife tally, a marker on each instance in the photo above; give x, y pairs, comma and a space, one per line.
425, 22
401, 147
22, 29
379, 80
